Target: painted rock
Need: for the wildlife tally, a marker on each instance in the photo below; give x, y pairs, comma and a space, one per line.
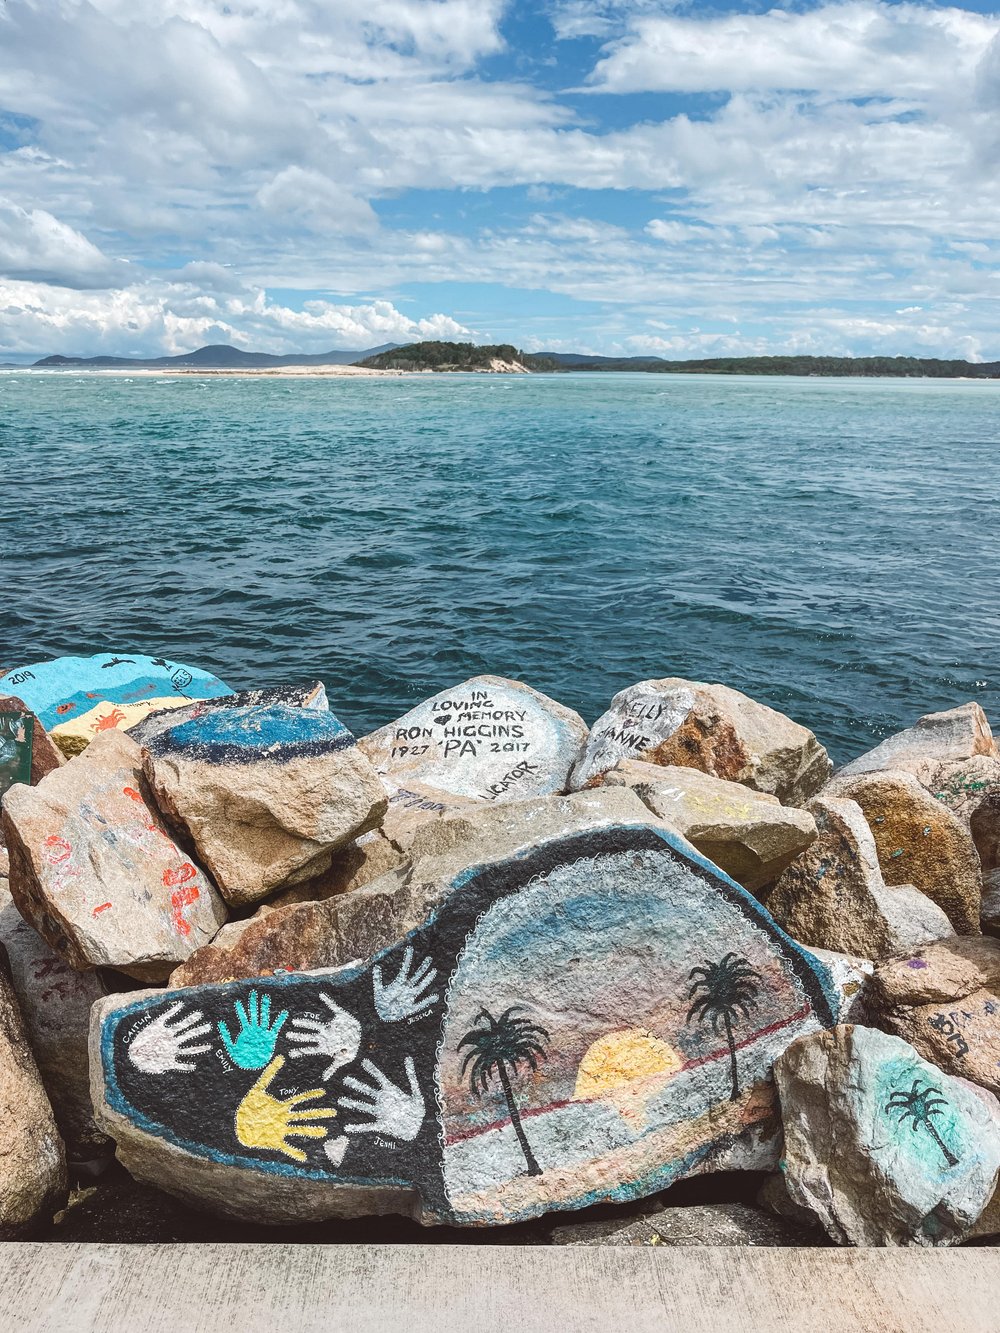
586, 1020
919, 842
945, 1001
711, 728
42, 757
76, 698
55, 1002
937, 738
884, 1148
413, 805
266, 794
94, 870
489, 739
285, 935
834, 896
32, 1157
312, 694
971, 791
748, 834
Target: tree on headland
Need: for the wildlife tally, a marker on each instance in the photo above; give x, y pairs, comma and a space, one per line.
499, 1046
722, 992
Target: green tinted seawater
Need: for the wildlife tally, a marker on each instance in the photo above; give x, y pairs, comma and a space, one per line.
828, 546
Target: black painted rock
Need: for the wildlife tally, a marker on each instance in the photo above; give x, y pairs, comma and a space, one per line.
311, 694
587, 1019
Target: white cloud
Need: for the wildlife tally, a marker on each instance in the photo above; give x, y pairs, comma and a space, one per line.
861, 48
35, 245
175, 316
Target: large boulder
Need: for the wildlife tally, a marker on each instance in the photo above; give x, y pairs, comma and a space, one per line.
266, 794
77, 698
834, 896
55, 1002
687, 724
748, 834
918, 841
94, 870
881, 1146
22, 732
309, 694
32, 1158
296, 934
945, 1001
971, 791
489, 739
587, 1018
934, 739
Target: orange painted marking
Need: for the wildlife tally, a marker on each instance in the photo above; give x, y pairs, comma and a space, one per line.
110, 721
57, 849
179, 876
132, 794
65, 708
179, 899
103, 908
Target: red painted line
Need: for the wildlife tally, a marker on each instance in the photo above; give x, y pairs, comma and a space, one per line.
531, 1111
103, 908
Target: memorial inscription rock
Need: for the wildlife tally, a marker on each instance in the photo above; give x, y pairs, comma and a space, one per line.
489, 739
589, 1018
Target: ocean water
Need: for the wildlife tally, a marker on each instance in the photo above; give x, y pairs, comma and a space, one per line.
827, 546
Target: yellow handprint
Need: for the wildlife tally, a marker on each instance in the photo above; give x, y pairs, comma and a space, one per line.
263, 1121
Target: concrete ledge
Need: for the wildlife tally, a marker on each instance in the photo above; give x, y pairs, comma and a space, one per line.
49, 1288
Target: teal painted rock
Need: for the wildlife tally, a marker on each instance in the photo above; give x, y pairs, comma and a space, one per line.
590, 1017
76, 698
884, 1148
266, 793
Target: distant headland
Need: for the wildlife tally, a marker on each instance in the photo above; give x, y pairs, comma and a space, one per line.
504, 358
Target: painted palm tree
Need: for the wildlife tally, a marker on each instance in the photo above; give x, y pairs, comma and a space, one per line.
921, 1104
722, 992
498, 1046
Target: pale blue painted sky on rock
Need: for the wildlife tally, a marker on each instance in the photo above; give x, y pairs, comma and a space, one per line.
630, 176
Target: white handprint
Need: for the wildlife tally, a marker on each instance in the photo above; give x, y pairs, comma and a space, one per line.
394, 1111
404, 997
163, 1046
339, 1036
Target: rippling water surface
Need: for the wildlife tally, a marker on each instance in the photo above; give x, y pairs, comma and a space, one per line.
828, 546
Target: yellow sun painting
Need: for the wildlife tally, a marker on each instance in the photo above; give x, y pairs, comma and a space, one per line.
620, 1059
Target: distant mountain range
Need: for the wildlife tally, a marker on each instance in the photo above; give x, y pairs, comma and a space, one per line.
217, 356
443, 356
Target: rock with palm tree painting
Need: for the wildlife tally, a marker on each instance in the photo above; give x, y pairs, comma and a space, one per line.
882, 1147
588, 1015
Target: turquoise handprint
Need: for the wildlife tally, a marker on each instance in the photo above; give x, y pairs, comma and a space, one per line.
254, 1046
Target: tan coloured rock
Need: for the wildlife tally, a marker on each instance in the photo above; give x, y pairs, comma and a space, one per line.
44, 755
748, 834
971, 790
990, 912
413, 805
32, 1158
266, 794
488, 739
945, 1001
919, 842
94, 870
834, 896
951, 737
55, 1002
884, 1148
345, 927
707, 727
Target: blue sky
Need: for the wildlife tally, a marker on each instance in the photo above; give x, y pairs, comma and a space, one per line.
627, 176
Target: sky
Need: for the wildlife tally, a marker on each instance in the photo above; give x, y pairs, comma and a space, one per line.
619, 176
